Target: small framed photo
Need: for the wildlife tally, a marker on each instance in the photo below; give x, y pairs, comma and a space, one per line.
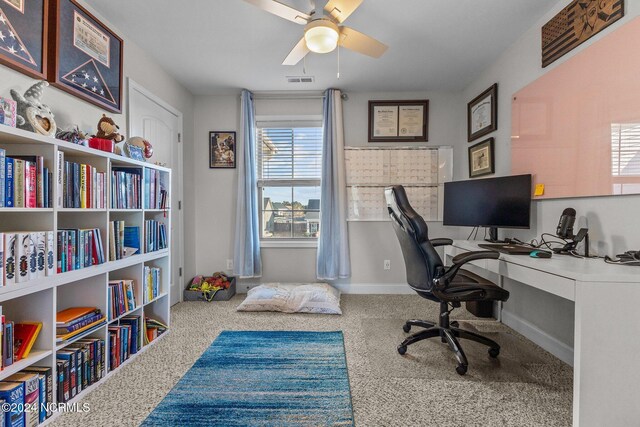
86, 57
399, 121
222, 150
482, 114
481, 158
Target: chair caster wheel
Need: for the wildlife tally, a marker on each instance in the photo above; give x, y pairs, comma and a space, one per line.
494, 352
402, 349
406, 327
461, 369
455, 324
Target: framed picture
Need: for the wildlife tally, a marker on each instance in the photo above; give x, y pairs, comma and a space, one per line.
222, 150
399, 121
482, 114
481, 158
86, 58
23, 45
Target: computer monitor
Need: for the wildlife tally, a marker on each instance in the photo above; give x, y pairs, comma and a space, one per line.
503, 202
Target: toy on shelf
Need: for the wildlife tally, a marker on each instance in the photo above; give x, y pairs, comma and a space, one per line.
74, 135
108, 135
32, 114
136, 148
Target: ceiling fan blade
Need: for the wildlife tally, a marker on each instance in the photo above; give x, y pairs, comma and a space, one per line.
361, 43
341, 9
282, 10
297, 53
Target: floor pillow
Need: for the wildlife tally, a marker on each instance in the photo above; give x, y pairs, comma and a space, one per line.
293, 298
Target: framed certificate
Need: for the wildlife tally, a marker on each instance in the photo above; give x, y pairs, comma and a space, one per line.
399, 121
86, 59
482, 114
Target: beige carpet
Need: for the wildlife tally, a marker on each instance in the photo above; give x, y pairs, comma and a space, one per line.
525, 387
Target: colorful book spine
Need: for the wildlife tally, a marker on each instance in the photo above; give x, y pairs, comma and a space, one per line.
13, 394
23, 253
41, 253
39, 175
30, 185
10, 260
2, 261
18, 183
50, 253
3, 171
60, 168
9, 201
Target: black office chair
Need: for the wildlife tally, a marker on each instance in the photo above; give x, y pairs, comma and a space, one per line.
427, 275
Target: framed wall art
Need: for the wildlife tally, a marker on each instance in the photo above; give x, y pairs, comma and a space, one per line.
24, 30
399, 121
481, 158
222, 150
86, 58
482, 114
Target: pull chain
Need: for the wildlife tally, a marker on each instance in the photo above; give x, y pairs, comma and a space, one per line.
338, 62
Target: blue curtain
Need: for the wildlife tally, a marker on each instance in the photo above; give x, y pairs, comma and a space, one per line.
247, 261
333, 244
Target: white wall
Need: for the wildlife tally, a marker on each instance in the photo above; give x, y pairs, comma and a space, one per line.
370, 243
70, 110
612, 221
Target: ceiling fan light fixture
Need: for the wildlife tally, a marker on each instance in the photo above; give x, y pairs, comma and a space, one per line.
321, 36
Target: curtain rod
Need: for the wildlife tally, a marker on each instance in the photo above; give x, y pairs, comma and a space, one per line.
287, 96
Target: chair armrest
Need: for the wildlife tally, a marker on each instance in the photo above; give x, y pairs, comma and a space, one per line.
458, 261
441, 242
466, 257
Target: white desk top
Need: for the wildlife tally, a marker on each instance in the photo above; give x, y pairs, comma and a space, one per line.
583, 270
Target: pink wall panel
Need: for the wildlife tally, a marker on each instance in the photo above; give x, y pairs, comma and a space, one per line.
565, 125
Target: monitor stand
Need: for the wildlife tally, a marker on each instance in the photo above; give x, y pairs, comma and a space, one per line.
493, 236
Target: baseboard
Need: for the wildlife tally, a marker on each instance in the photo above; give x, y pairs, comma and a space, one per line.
554, 346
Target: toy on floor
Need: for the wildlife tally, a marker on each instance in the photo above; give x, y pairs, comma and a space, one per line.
32, 114
210, 285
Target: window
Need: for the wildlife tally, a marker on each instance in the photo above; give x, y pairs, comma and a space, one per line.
625, 158
289, 164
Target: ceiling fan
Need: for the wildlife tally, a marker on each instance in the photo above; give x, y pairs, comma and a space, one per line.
324, 33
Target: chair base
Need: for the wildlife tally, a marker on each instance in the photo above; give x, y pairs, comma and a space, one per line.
450, 333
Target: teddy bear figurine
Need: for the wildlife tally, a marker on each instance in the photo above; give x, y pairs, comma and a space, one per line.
32, 114
108, 129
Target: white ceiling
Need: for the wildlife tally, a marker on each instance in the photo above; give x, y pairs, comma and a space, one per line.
218, 46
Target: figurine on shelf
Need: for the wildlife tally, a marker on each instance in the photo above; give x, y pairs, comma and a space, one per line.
137, 148
32, 114
108, 135
75, 136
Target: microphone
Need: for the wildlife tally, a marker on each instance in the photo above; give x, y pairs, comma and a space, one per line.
565, 226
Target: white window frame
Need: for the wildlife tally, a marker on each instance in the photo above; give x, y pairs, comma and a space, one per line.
286, 121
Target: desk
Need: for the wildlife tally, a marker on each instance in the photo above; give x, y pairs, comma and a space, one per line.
606, 354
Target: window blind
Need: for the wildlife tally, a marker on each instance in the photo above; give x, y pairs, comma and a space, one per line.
289, 155
625, 149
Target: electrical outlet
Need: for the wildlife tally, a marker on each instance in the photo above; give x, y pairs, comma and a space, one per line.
230, 265
387, 264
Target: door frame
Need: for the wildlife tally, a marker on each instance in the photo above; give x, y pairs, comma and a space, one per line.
177, 151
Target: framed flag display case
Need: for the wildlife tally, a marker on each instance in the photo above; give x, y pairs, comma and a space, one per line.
86, 59
23, 36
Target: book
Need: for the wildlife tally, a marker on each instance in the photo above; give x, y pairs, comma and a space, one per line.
48, 375
24, 336
3, 156
24, 247
31, 384
10, 259
63, 330
41, 253
95, 325
132, 237
30, 185
64, 317
8, 183
13, 394
62, 372
2, 260
69, 356
60, 169
50, 248
18, 183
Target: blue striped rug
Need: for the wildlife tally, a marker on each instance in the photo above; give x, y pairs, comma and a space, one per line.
264, 379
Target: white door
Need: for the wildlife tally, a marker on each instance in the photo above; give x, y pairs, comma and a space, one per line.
161, 124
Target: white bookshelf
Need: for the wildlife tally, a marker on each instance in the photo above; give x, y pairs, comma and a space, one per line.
39, 300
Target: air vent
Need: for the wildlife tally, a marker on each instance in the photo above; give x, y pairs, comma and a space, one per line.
300, 79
